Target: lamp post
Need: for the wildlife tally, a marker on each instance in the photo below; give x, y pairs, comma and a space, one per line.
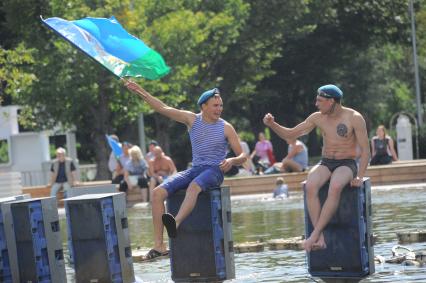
416, 67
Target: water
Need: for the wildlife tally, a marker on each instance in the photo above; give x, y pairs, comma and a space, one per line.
258, 218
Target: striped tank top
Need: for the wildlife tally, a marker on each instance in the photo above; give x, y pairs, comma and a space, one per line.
208, 142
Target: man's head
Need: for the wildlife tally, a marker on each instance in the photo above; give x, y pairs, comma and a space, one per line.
158, 151
211, 104
279, 181
330, 91
327, 98
126, 146
205, 96
60, 154
152, 145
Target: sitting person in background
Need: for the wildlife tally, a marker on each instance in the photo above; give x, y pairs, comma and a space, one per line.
150, 154
135, 172
63, 173
113, 161
382, 148
247, 168
296, 159
119, 168
261, 153
281, 190
160, 168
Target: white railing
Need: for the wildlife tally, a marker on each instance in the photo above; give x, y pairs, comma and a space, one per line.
10, 184
85, 173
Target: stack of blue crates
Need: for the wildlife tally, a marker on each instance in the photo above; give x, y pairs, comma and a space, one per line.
203, 248
348, 235
5, 272
98, 238
34, 240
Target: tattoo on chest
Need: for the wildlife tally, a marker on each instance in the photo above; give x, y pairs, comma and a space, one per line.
342, 130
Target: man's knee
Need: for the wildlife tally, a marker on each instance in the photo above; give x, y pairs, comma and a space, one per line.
312, 189
335, 190
159, 194
193, 189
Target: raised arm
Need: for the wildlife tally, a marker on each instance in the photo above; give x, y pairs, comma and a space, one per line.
362, 139
290, 133
182, 116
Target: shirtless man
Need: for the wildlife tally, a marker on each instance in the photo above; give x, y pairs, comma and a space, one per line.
160, 167
342, 130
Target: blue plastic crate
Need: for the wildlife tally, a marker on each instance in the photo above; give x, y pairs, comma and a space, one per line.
197, 253
5, 272
98, 239
349, 253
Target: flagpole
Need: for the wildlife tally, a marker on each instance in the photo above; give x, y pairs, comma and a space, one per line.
416, 67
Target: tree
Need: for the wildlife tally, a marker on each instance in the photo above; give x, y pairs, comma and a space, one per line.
72, 90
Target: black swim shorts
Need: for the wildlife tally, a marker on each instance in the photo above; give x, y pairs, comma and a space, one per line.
332, 164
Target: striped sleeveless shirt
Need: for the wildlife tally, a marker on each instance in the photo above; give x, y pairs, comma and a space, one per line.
208, 142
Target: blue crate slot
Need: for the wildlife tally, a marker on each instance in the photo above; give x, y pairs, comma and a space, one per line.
216, 211
111, 239
39, 242
69, 238
5, 272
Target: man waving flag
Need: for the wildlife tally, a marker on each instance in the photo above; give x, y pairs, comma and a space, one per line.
106, 41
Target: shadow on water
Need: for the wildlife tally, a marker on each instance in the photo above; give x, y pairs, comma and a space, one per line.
260, 218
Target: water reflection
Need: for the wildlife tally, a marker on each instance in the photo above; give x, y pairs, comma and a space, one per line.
259, 218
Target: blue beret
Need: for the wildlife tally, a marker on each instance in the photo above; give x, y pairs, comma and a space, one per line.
330, 91
207, 95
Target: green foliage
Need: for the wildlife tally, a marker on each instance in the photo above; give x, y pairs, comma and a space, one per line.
265, 56
4, 152
15, 79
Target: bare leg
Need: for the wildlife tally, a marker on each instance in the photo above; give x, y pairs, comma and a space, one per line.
290, 165
144, 194
188, 203
340, 177
152, 184
316, 179
159, 194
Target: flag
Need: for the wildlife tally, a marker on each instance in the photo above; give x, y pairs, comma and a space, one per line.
106, 41
115, 146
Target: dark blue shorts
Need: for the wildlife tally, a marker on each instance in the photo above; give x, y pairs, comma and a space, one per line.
205, 176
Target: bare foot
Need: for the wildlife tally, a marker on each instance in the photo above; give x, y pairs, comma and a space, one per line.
320, 244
